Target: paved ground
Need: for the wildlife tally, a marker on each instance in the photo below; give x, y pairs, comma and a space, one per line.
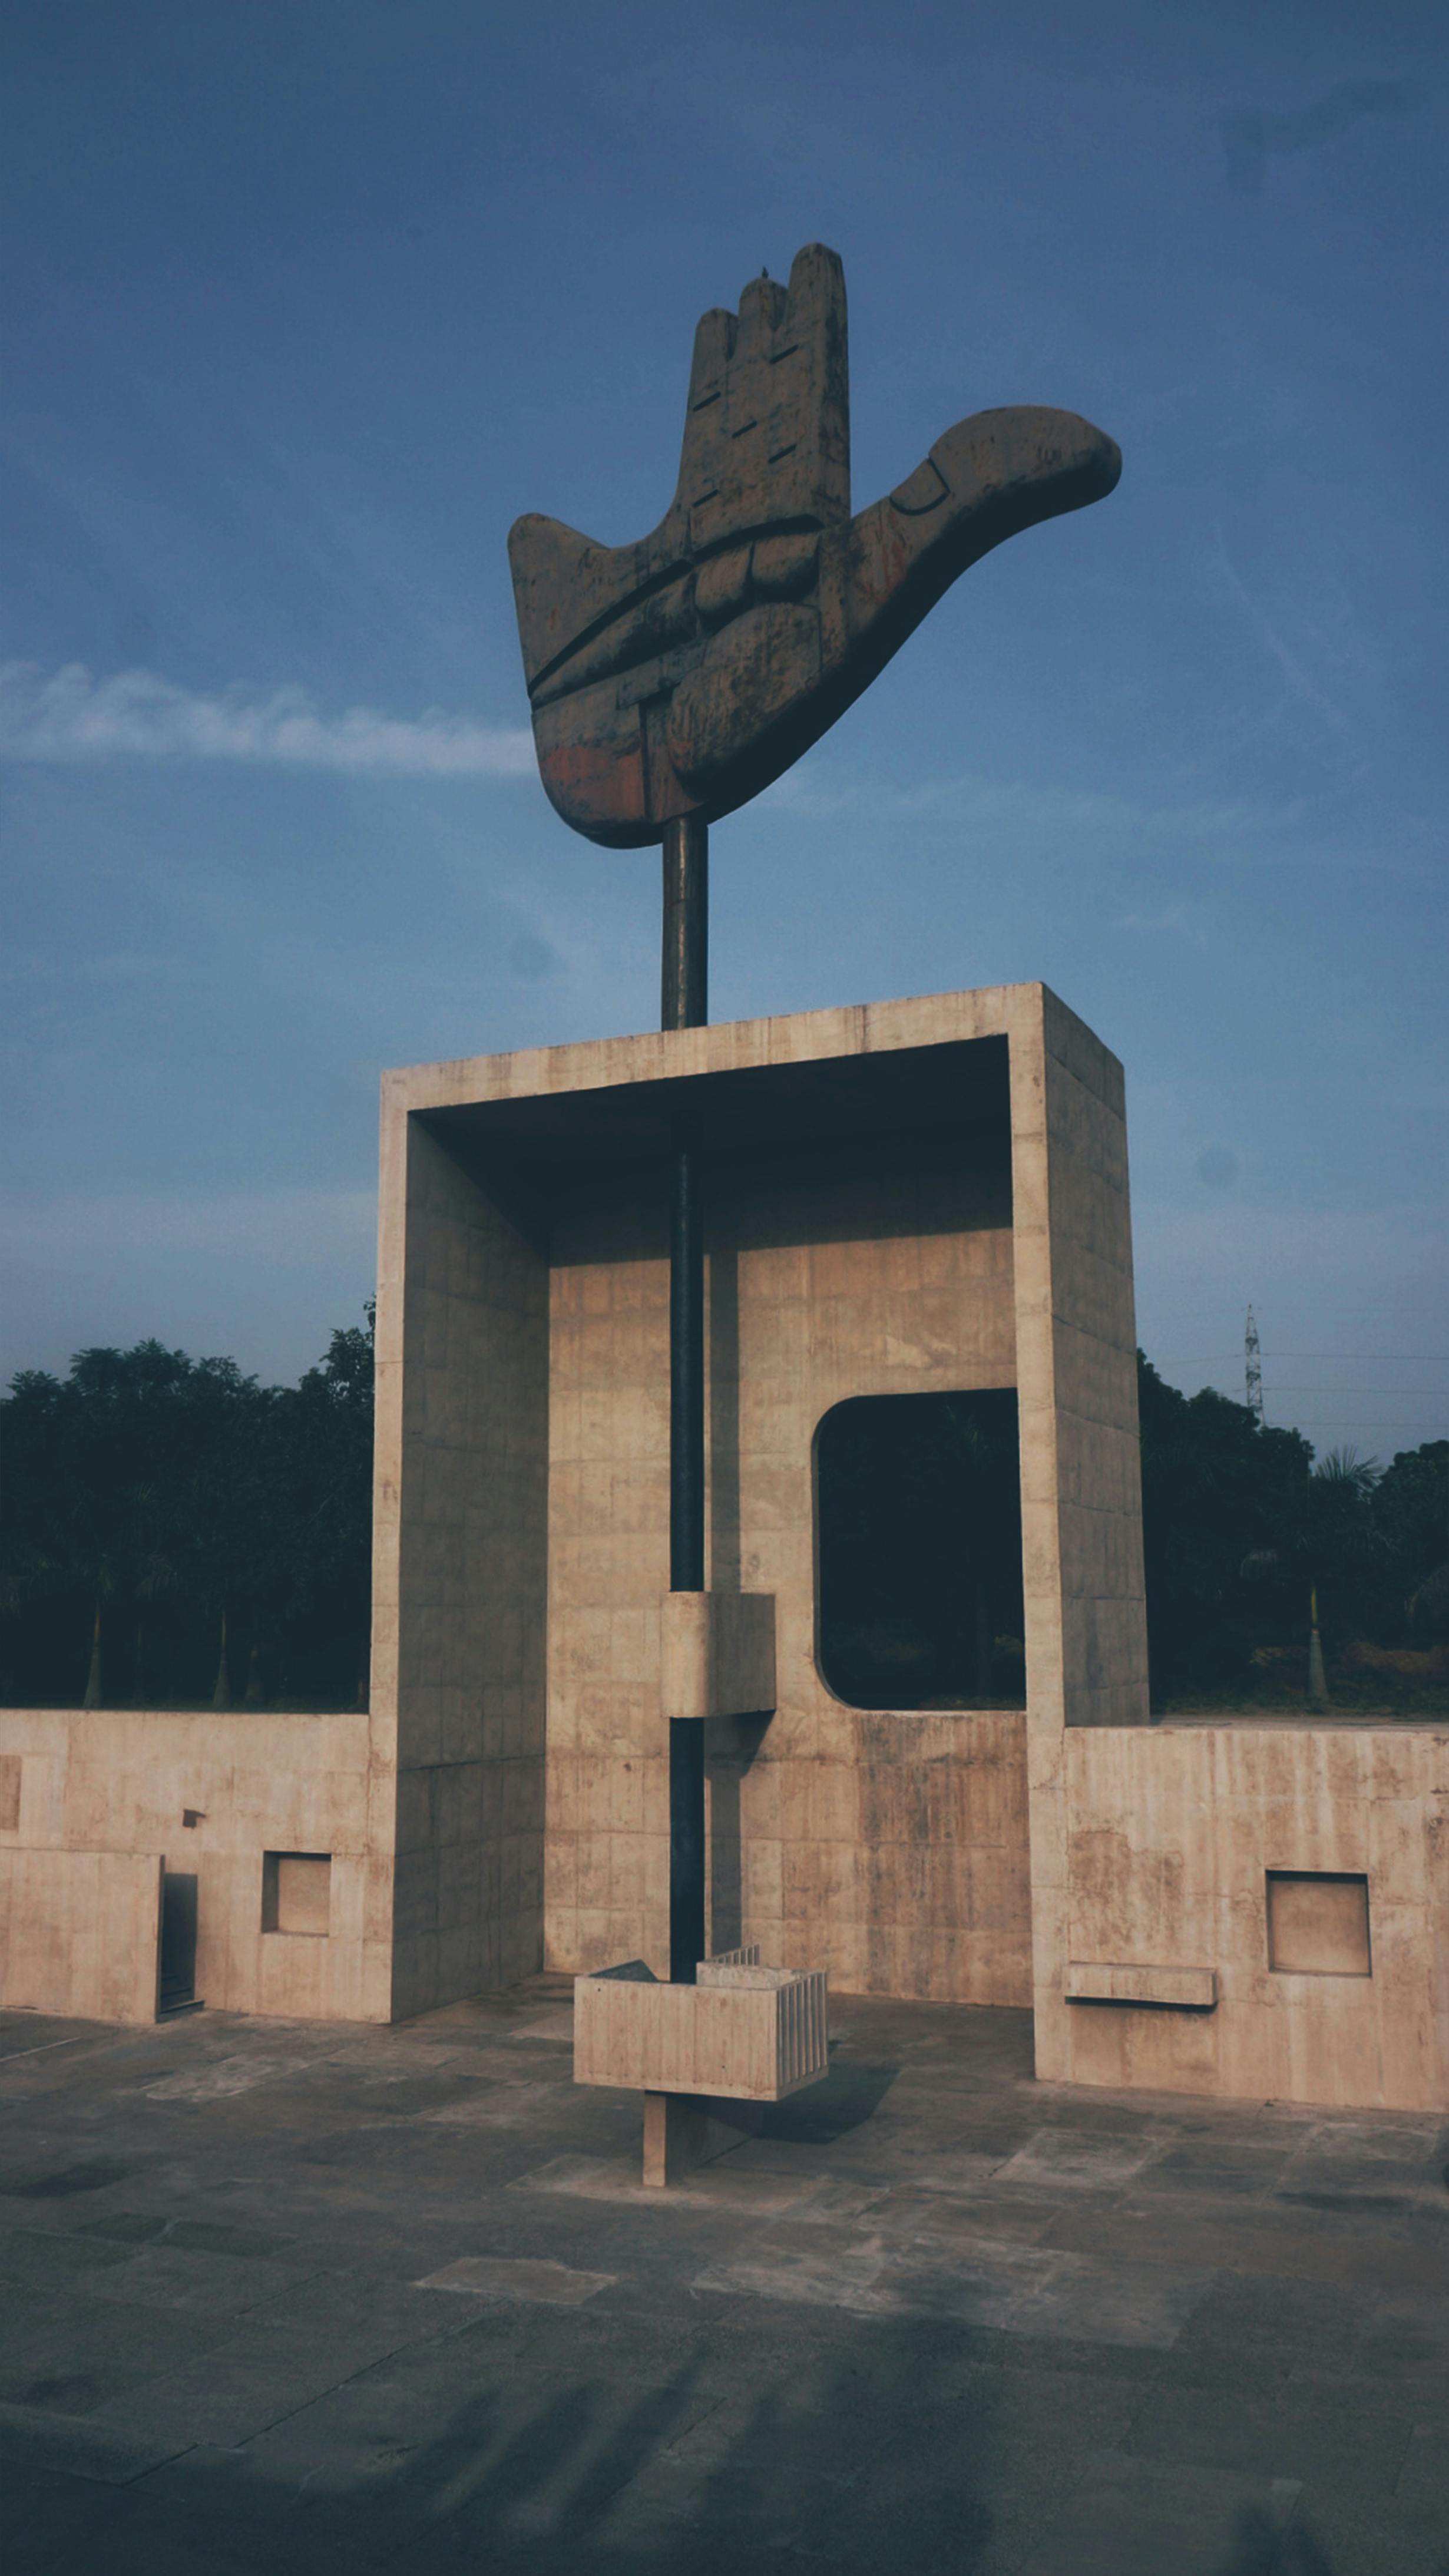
284, 2297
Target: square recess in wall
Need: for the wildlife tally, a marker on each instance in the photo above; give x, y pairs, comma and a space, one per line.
297, 1893
1318, 1923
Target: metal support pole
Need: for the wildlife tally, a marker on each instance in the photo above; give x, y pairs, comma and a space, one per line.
686, 1848
684, 986
684, 982
686, 1376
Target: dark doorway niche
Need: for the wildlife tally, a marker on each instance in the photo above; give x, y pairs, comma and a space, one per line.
178, 1940
918, 1551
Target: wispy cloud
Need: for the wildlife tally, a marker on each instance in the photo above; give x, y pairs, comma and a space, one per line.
69, 715
1019, 811
1170, 921
34, 966
1250, 136
1299, 679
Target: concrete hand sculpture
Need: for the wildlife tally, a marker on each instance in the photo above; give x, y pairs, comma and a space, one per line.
683, 674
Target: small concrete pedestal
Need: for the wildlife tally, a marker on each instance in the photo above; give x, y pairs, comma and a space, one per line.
741, 2033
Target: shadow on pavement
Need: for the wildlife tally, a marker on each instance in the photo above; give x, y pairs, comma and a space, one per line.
1261, 2549
876, 2456
845, 2098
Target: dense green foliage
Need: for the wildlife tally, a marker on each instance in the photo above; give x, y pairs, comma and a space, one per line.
171, 1532
1242, 1529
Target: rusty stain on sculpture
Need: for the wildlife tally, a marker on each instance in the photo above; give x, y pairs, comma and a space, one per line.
685, 673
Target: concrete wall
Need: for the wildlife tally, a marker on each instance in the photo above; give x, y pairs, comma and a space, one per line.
839, 1839
1170, 1836
515, 1749
1086, 1629
78, 1933
102, 1788
460, 1572
895, 1856
506, 1799
891, 1849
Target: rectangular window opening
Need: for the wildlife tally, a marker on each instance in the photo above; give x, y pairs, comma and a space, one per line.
297, 1893
918, 1551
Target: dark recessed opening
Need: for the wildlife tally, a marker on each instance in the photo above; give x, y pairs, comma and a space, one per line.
178, 1939
931, 1110
918, 1551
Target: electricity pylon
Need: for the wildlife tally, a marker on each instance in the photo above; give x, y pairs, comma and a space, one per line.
1253, 1368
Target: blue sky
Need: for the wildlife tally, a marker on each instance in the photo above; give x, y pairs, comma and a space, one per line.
306, 303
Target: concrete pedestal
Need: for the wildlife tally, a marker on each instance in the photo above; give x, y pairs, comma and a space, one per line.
682, 2132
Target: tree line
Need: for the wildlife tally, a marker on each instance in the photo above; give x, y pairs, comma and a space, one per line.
1252, 1544
173, 1533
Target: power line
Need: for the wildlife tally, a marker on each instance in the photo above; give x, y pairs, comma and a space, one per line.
1429, 1433
1426, 1411
1415, 1359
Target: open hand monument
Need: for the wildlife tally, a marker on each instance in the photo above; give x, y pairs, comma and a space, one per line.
681, 675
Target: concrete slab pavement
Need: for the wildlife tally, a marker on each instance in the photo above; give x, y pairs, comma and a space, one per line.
285, 2295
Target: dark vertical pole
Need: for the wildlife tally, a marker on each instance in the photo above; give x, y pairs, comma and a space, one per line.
684, 982
684, 1001
686, 1376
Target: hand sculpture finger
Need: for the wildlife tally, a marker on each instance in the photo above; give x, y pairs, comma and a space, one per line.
685, 673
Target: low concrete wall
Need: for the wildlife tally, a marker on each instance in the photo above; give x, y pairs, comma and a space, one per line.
1171, 1835
100, 1790
78, 1933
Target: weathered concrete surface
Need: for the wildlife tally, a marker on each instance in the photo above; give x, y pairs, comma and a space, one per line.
1173, 1833
107, 1795
296, 2297
925, 1195
682, 674
716, 1653
910, 1197
751, 2034
460, 1574
80, 1932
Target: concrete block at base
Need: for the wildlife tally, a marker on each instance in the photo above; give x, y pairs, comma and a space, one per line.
717, 1654
751, 2042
